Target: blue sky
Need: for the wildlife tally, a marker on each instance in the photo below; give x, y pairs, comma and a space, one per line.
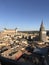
24, 14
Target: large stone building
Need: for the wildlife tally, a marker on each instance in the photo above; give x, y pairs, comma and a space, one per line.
42, 33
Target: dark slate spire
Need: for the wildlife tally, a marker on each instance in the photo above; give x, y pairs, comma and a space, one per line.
42, 26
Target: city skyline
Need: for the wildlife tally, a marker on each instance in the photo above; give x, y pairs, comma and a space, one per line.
24, 14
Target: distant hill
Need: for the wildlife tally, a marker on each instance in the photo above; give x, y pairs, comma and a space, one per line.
29, 32
32, 32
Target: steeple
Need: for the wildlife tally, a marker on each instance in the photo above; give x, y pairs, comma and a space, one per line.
42, 26
42, 33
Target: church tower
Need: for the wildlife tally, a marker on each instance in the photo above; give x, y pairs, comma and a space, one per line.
42, 33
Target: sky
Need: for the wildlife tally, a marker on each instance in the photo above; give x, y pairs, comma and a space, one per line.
24, 14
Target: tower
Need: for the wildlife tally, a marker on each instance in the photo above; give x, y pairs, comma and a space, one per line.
15, 31
42, 33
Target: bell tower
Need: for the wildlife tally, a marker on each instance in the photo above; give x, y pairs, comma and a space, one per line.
42, 33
